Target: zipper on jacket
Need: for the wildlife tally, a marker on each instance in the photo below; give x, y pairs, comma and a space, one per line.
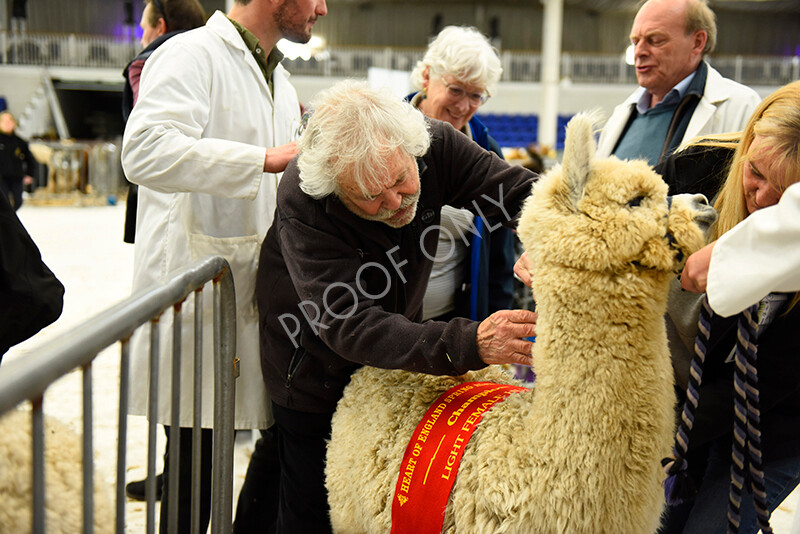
298, 356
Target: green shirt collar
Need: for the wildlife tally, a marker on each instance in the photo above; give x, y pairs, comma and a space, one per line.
267, 64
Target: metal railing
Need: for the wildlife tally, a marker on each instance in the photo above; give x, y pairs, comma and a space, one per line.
27, 379
353, 61
67, 50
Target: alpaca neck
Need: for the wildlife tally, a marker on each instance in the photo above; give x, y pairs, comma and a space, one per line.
601, 349
600, 312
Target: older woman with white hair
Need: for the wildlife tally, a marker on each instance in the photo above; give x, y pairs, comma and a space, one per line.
456, 76
470, 278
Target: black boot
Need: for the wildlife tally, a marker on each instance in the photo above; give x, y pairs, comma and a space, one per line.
135, 490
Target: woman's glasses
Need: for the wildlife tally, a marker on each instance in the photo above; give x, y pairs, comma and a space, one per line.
456, 92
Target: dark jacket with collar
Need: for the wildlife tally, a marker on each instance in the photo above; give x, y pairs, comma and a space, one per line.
697, 169
336, 292
779, 387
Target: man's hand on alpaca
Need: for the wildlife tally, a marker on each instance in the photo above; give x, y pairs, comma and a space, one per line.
501, 337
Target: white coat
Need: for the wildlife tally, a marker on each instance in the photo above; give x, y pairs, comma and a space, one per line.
758, 256
195, 143
725, 107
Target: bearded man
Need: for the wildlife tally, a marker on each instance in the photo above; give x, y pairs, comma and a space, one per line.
345, 265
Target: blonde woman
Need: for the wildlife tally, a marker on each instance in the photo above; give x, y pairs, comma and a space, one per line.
757, 169
742, 254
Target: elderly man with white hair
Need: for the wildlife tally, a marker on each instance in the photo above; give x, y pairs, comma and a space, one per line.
343, 270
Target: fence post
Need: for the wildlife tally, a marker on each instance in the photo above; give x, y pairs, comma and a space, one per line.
505, 57
738, 64
566, 66
88, 454
37, 458
225, 367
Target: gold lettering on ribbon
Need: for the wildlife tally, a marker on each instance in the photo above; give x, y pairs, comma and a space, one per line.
408, 471
451, 459
448, 466
426, 428
453, 419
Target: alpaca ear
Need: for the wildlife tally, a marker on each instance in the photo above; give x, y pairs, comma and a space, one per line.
579, 150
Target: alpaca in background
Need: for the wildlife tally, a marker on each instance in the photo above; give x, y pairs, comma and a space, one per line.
63, 479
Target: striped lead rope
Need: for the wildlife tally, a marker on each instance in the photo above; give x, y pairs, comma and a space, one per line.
746, 457
678, 486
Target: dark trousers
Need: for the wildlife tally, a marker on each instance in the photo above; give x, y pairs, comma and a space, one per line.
303, 500
184, 453
12, 189
131, 203
707, 513
257, 507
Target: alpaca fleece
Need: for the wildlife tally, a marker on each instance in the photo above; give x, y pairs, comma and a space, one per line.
581, 451
63, 479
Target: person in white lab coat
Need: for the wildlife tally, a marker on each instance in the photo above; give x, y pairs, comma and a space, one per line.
212, 129
680, 95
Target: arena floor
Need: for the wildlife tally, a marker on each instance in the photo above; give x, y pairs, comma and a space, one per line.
84, 248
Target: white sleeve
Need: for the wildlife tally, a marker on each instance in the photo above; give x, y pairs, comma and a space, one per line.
169, 143
758, 256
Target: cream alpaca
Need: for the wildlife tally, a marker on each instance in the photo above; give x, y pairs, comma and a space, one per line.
63, 479
580, 453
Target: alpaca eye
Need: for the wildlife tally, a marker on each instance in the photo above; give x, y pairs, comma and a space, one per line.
636, 202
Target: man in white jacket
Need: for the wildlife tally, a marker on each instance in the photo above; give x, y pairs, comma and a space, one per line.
759, 255
212, 129
680, 96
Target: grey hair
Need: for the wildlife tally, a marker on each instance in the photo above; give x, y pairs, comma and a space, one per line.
463, 53
352, 131
700, 17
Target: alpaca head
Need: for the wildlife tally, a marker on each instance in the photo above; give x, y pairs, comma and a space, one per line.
607, 215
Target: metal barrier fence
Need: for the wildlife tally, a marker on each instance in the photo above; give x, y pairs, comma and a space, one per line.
354, 61
67, 50
521, 66
28, 378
